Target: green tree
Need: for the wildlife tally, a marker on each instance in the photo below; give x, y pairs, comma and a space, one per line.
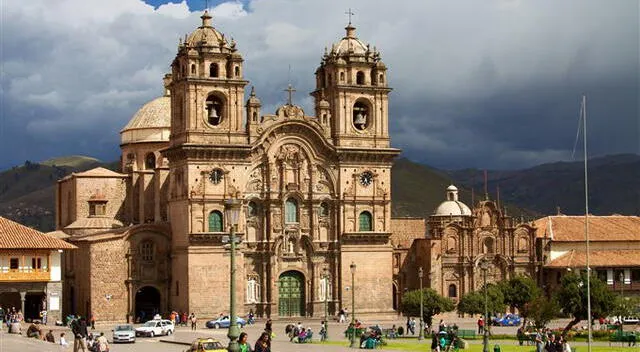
572, 297
473, 302
626, 306
541, 310
433, 304
519, 292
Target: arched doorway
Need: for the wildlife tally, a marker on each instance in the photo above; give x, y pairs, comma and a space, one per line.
291, 294
147, 303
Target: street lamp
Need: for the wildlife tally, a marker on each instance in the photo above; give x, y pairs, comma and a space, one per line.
421, 335
232, 212
622, 284
484, 265
353, 304
326, 303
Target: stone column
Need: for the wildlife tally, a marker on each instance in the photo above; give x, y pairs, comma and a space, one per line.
23, 295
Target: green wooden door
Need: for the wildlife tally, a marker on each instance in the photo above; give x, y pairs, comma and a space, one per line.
291, 294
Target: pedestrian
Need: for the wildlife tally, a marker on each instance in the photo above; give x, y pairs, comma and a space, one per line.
184, 319
442, 326
480, 325
242, 342
550, 346
43, 316
93, 322
263, 344
268, 326
341, 316
50, 337
194, 321
435, 346
409, 325
63, 341
538, 341
412, 326
79, 329
103, 344
250, 317
520, 335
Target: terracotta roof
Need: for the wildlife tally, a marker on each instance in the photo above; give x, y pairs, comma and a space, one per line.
601, 258
58, 234
17, 236
601, 228
99, 172
94, 223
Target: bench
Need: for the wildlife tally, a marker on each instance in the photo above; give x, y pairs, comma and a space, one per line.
358, 331
466, 334
623, 337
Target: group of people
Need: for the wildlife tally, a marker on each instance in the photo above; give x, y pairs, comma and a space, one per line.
263, 343
546, 341
298, 333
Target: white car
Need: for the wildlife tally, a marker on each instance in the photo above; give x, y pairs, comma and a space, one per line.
156, 328
631, 320
124, 333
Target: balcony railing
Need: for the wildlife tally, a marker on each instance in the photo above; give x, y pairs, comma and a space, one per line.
620, 287
25, 275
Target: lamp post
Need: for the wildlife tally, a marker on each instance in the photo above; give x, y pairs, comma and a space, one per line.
326, 303
353, 304
232, 212
621, 276
421, 335
484, 265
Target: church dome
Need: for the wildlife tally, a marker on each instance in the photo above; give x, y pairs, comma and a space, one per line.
206, 35
152, 123
350, 45
452, 206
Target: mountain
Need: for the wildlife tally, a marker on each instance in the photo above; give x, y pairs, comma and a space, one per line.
27, 192
614, 185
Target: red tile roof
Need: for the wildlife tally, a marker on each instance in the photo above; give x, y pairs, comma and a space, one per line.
17, 236
565, 228
599, 258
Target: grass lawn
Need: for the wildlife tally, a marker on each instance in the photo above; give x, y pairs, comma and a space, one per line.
413, 345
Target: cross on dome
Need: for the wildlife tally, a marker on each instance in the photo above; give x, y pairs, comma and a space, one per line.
349, 13
290, 90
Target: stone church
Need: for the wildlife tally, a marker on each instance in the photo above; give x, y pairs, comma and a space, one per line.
315, 190
459, 238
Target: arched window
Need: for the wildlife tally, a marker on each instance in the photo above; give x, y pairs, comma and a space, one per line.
215, 110
291, 211
236, 71
341, 76
487, 245
360, 116
381, 79
213, 70
453, 291
252, 208
215, 221
193, 69
150, 161
324, 118
372, 77
360, 78
522, 244
451, 245
364, 222
254, 117
147, 251
324, 209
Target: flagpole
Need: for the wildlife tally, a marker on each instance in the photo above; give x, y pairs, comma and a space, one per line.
586, 219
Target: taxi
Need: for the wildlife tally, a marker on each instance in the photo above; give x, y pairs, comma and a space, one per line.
206, 345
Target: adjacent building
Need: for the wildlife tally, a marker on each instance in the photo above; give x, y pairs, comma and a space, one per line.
30, 270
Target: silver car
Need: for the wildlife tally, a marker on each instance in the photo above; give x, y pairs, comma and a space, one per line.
124, 333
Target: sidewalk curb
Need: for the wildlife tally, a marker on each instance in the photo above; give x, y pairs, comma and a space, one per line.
176, 342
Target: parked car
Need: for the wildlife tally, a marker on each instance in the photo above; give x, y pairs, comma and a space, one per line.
631, 320
206, 345
155, 328
223, 322
507, 320
124, 333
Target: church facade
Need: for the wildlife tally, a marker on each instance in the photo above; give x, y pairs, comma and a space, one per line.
315, 190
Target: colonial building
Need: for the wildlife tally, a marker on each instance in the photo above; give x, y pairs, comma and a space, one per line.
614, 249
459, 238
30, 270
315, 190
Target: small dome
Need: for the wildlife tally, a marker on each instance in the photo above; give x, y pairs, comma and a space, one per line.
452, 208
206, 35
152, 123
452, 188
253, 99
350, 45
323, 103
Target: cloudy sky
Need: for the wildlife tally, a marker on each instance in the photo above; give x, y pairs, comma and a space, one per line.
488, 84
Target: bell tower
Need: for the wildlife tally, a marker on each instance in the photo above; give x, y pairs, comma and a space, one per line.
209, 89
352, 78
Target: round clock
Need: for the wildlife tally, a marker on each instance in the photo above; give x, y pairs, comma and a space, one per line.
366, 178
216, 176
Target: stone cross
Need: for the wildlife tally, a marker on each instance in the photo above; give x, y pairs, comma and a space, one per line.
290, 90
349, 13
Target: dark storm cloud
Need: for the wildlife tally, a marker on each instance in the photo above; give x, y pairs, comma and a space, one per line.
487, 84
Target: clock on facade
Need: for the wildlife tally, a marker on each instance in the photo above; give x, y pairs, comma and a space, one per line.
216, 176
366, 178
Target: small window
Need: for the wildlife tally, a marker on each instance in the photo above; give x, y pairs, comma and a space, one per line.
193, 69
36, 263
381, 79
291, 211
341, 76
215, 221
324, 209
215, 110
453, 291
365, 223
360, 78
487, 246
324, 118
451, 245
252, 208
213, 70
14, 264
150, 161
237, 71
254, 117
360, 116
147, 251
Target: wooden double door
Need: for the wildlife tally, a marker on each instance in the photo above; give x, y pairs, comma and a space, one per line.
291, 294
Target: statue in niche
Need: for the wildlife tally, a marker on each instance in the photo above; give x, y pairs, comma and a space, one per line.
485, 218
291, 246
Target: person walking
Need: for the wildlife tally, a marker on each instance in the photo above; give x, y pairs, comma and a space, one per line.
341, 316
412, 326
194, 321
242, 342
93, 322
263, 344
538, 341
480, 326
268, 327
79, 329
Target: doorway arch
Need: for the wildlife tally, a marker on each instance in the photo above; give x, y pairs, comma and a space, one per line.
291, 294
147, 303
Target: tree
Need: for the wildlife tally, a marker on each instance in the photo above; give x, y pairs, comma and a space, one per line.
473, 302
625, 306
542, 310
519, 292
572, 297
433, 304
